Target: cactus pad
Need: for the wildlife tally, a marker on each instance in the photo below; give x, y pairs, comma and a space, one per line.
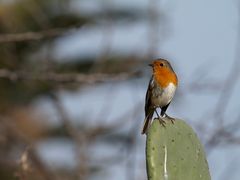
174, 152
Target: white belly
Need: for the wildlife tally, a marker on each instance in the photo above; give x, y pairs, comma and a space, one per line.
161, 97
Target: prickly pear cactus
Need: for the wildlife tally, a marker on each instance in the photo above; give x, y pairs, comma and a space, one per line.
175, 153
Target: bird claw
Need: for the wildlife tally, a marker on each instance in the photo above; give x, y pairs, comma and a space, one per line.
161, 121
170, 118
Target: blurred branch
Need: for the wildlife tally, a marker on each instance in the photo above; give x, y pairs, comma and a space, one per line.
220, 133
65, 78
78, 137
153, 28
230, 82
33, 36
83, 138
30, 163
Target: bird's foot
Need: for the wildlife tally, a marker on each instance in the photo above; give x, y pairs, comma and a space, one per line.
161, 121
170, 118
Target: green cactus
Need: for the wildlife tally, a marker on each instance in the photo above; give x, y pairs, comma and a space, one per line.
175, 153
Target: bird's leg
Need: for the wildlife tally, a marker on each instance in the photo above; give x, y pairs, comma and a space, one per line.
161, 121
170, 118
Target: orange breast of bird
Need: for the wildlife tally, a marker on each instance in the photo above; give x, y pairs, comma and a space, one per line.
164, 76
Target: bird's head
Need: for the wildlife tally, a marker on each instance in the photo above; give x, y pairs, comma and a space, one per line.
161, 65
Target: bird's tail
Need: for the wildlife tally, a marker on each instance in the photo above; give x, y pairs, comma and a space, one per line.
147, 122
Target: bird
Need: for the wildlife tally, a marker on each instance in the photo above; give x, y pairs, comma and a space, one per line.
161, 90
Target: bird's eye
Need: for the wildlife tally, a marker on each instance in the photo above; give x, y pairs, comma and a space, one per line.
161, 64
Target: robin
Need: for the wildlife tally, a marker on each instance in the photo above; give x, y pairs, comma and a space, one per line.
161, 89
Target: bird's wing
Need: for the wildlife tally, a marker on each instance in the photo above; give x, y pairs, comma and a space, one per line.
149, 110
148, 97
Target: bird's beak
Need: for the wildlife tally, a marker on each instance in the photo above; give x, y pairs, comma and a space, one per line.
150, 64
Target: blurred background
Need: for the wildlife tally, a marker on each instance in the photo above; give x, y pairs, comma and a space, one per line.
73, 77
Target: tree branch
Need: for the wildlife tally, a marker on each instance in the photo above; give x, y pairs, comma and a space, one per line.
65, 78
32, 36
